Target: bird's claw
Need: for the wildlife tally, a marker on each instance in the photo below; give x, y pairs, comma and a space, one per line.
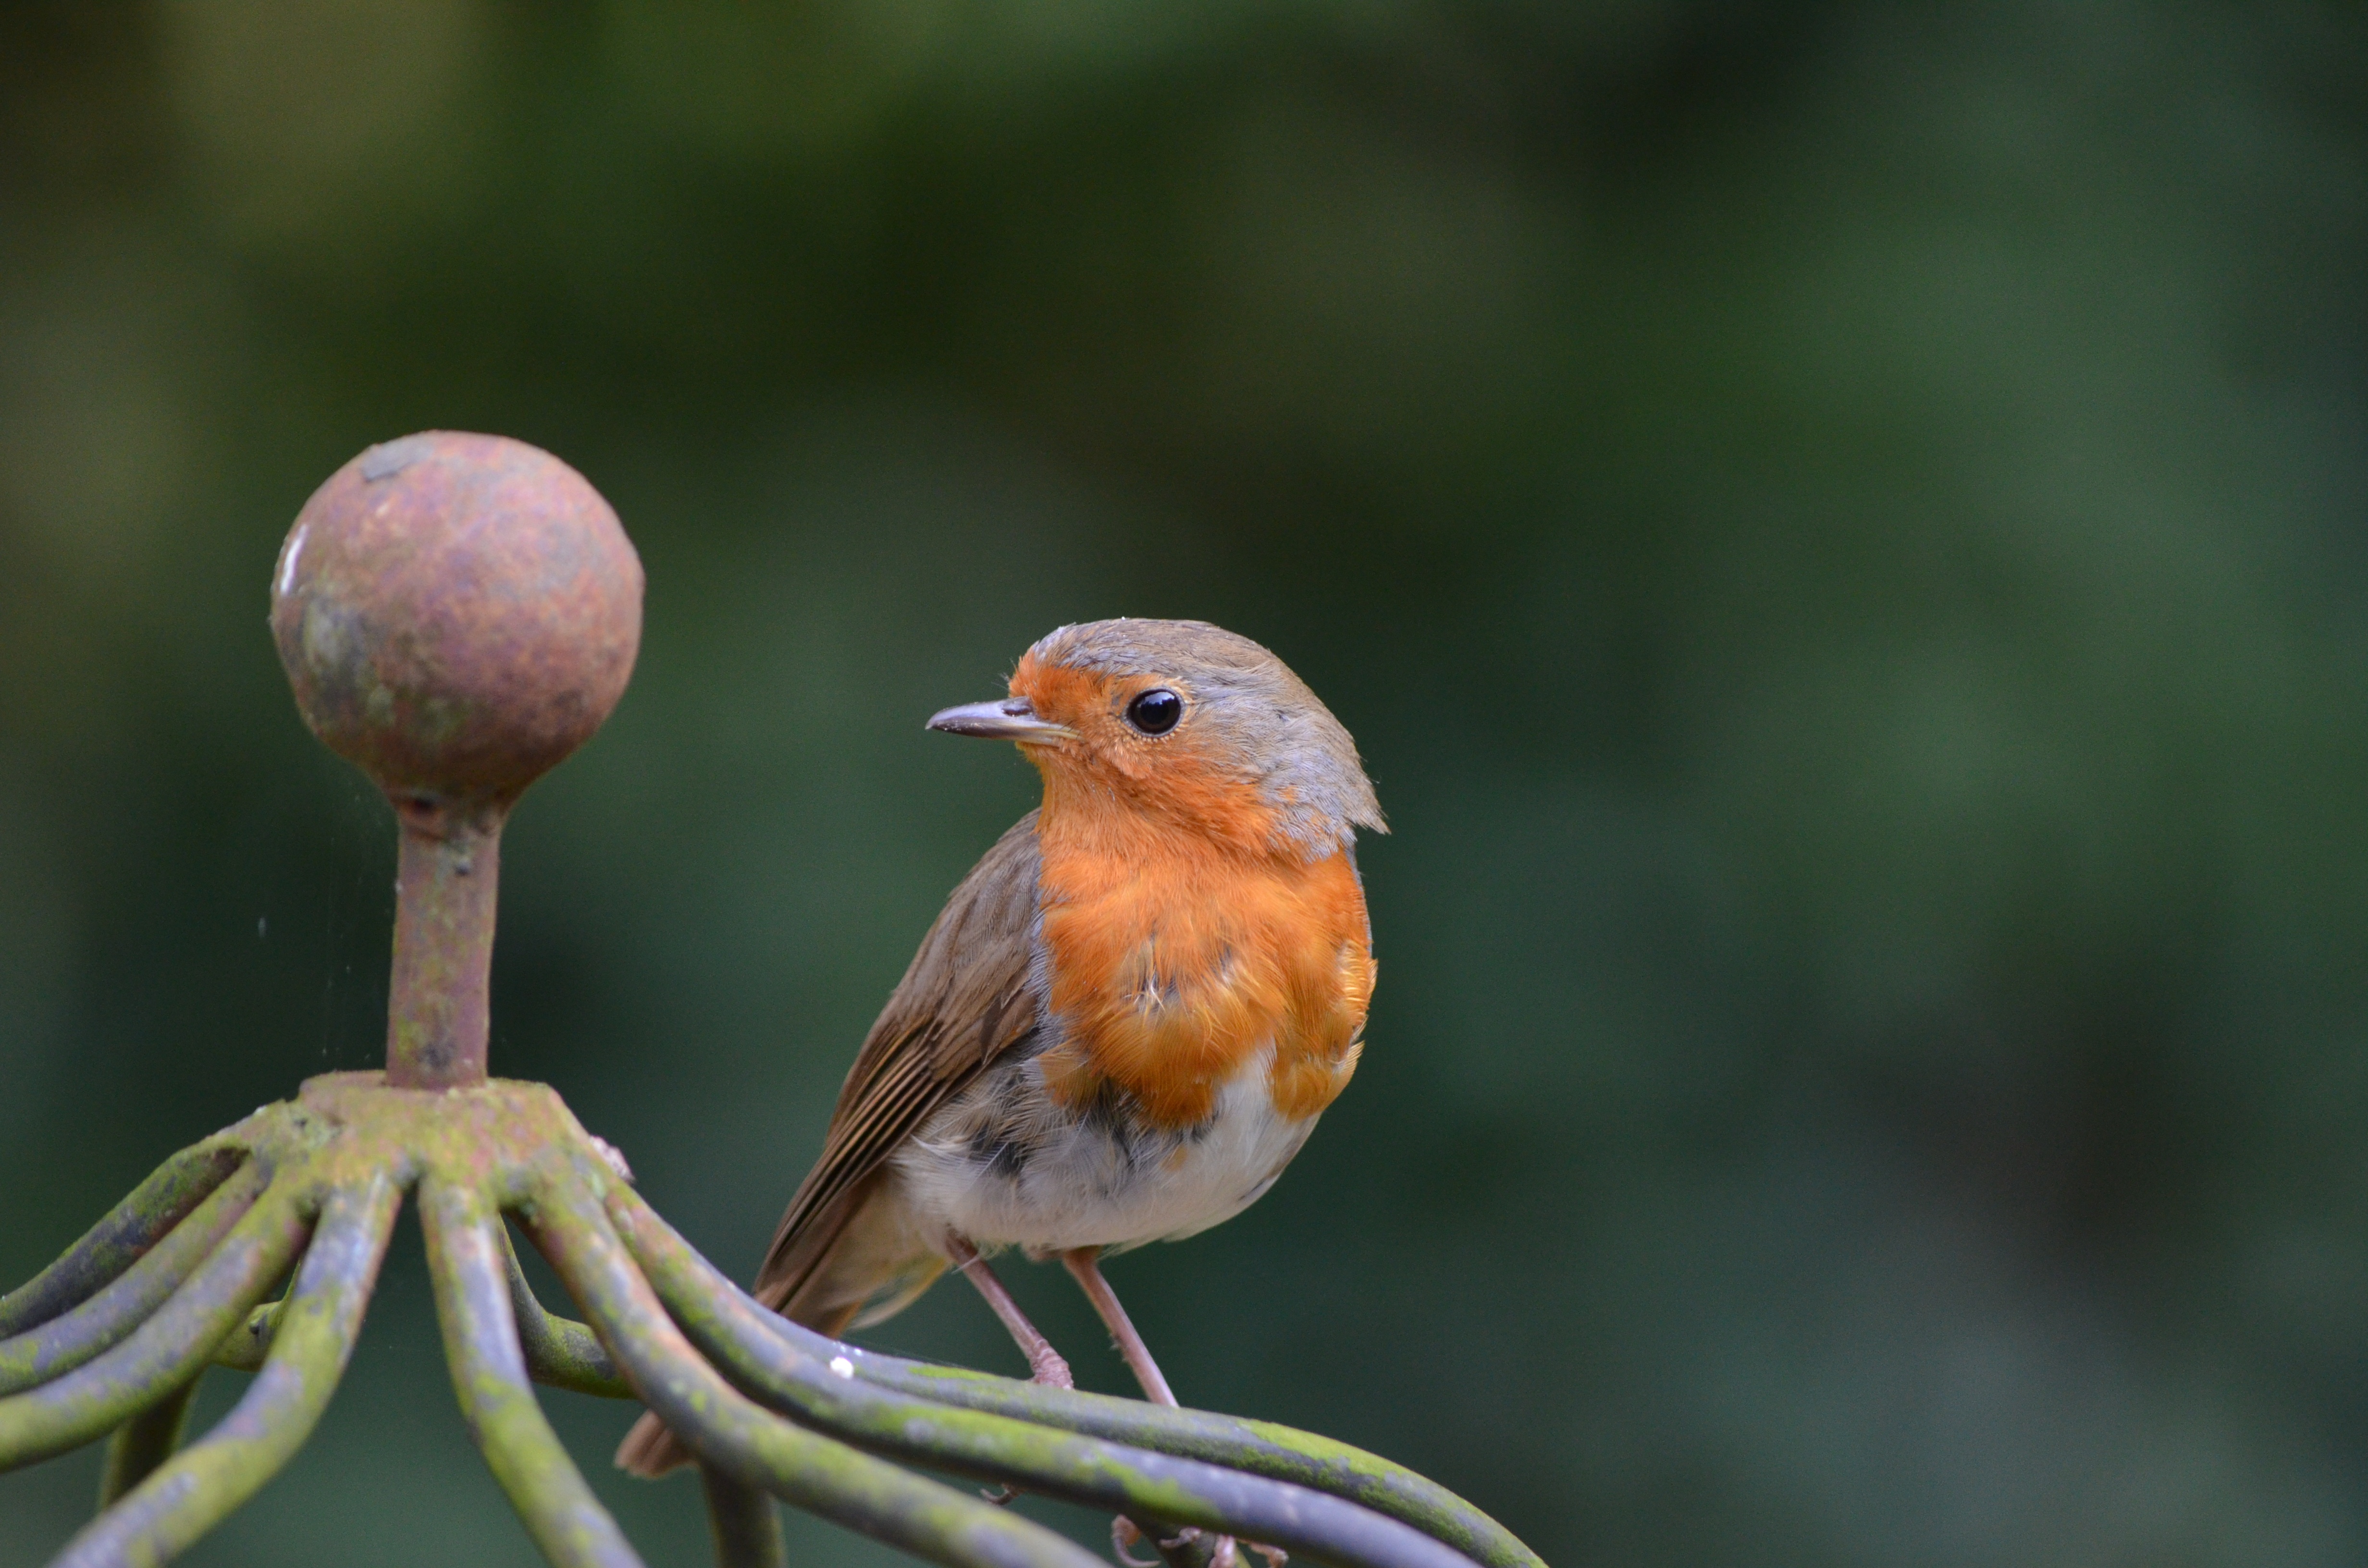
1222, 1552
1124, 1534
999, 1495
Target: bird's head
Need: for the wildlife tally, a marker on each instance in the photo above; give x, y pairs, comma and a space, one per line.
1184, 723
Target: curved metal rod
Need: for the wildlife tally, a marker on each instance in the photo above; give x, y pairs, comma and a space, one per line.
245, 1348
481, 1342
996, 1448
559, 1351
145, 1441
71, 1338
131, 1228
191, 1492
168, 1349
752, 1445
747, 1525
1259, 1447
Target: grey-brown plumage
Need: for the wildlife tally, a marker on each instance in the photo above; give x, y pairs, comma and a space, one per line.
965, 1000
1130, 1012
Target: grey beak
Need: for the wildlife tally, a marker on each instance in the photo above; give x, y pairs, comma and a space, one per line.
1010, 719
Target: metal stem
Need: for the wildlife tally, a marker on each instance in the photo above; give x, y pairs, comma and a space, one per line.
145, 1441
447, 878
559, 1351
748, 1527
165, 1352
191, 1492
1259, 1447
110, 1247
67, 1341
751, 1445
995, 1448
481, 1342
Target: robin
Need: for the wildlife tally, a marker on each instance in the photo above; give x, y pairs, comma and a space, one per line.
1130, 1014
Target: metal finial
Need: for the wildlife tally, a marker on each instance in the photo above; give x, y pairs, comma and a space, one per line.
456, 613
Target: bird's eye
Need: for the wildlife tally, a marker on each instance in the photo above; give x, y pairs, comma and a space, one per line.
1156, 711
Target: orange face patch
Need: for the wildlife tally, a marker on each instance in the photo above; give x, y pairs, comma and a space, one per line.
1185, 782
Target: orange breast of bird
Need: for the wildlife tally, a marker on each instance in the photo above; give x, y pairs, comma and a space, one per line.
1184, 944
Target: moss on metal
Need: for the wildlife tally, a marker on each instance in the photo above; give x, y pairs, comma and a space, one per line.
1137, 1481
770, 1407
404, 571
113, 1244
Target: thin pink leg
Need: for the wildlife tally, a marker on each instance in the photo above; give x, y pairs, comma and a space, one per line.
1085, 1263
1044, 1363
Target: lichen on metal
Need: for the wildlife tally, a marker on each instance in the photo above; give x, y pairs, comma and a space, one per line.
457, 613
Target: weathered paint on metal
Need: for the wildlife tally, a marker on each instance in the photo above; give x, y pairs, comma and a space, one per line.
67, 1341
559, 1351
481, 1342
505, 1135
245, 1348
447, 883
516, 1145
193, 1491
456, 614
745, 1522
1136, 1482
1260, 1448
166, 1350
144, 1442
113, 1244
746, 1442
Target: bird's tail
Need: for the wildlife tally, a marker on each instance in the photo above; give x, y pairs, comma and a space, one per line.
650, 1449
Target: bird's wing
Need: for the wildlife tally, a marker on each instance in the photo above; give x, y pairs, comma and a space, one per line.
965, 1000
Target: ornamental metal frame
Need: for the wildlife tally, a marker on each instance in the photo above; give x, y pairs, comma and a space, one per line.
456, 614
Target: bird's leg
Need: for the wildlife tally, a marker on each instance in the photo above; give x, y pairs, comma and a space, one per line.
1085, 1264
1044, 1363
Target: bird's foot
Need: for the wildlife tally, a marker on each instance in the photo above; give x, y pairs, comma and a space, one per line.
1045, 1366
1000, 1496
1190, 1548
1124, 1534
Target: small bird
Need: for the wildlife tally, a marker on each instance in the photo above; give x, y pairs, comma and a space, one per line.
1130, 1014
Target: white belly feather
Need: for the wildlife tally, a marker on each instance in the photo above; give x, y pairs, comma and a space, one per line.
1006, 1167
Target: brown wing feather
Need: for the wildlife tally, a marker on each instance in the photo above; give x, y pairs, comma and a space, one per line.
965, 1000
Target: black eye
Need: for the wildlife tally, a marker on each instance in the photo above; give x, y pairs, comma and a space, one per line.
1156, 711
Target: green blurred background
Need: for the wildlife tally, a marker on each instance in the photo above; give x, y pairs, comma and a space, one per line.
1838, 528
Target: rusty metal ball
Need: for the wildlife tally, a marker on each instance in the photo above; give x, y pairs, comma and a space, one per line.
457, 613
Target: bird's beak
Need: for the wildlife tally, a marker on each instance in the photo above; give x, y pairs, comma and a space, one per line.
1010, 719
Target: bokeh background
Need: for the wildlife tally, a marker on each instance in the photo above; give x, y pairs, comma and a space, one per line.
1837, 526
